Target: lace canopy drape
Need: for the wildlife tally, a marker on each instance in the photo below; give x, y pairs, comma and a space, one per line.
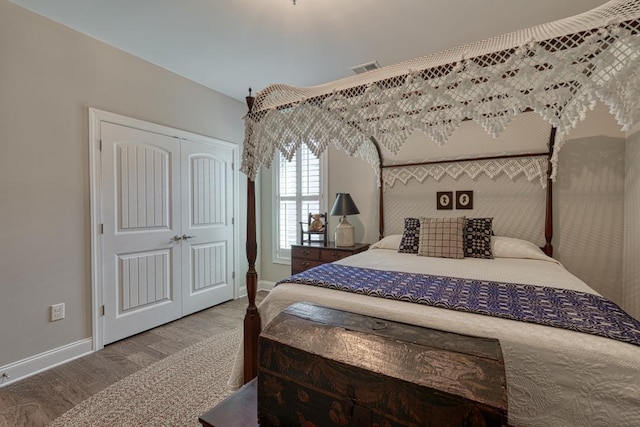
558, 70
530, 167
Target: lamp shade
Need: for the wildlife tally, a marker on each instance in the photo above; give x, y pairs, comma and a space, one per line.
344, 205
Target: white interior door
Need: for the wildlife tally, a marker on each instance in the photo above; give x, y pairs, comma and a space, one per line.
207, 225
142, 224
168, 233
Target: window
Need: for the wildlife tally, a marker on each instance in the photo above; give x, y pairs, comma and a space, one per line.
298, 186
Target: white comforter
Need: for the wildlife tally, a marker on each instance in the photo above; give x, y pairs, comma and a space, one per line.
555, 377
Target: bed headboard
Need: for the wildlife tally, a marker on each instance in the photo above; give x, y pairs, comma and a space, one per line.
517, 206
514, 198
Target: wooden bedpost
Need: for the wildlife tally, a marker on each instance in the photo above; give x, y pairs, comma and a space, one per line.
380, 191
548, 218
252, 317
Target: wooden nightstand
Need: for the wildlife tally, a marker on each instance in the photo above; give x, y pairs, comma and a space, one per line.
304, 257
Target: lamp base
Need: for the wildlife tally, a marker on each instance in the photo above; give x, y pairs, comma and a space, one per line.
345, 233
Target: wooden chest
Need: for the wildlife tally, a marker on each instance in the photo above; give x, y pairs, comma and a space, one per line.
324, 367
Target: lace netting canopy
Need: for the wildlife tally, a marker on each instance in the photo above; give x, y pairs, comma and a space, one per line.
530, 167
557, 70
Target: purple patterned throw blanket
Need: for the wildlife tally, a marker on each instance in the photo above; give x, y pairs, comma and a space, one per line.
560, 308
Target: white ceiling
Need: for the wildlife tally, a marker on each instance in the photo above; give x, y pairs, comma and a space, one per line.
230, 45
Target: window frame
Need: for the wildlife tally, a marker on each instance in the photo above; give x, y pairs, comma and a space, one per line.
282, 255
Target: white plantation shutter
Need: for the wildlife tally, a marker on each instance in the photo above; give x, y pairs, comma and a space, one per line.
298, 186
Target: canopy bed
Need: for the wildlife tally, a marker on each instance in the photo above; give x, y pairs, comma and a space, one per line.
556, 376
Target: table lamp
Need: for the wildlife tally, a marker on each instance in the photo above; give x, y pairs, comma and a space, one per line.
345, 232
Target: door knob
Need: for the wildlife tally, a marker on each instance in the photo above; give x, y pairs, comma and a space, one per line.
185, 237
176, 238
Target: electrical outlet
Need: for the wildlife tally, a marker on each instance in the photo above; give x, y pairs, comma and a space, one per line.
57, 312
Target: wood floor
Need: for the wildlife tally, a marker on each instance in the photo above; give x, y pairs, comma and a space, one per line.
37, 400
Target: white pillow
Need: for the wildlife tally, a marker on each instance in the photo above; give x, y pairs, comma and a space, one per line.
510, 247
388, 242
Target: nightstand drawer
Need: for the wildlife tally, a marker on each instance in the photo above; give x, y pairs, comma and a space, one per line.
301, 252
306, 257
298, 265
330, 255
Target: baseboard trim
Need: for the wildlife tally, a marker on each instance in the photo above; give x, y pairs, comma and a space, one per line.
41, 362
265, 285
242, 292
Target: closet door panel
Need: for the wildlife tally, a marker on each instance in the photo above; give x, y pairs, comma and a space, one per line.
141, 221
207, 212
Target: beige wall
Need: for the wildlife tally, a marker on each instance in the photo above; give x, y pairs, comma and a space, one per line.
49, 76
354, 176
631, 283
589, 203
589, 212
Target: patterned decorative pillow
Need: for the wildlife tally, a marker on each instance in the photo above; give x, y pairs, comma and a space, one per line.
442, 237
477, 238
410, 236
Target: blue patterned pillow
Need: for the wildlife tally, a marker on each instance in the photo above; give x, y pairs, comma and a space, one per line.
410, 236
477, 238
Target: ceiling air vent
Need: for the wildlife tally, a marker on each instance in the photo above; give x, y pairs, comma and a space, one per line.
363, 68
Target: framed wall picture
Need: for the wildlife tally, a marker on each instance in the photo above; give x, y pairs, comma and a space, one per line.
444, 200
464, 199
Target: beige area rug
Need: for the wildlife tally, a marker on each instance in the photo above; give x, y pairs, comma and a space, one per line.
174, 391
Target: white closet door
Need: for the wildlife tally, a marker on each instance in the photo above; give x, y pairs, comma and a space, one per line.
141, 220
207, 215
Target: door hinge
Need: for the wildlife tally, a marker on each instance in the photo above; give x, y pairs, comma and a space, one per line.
233, 275
102, 310
101, 228
233, 166
100, 146
233, 221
